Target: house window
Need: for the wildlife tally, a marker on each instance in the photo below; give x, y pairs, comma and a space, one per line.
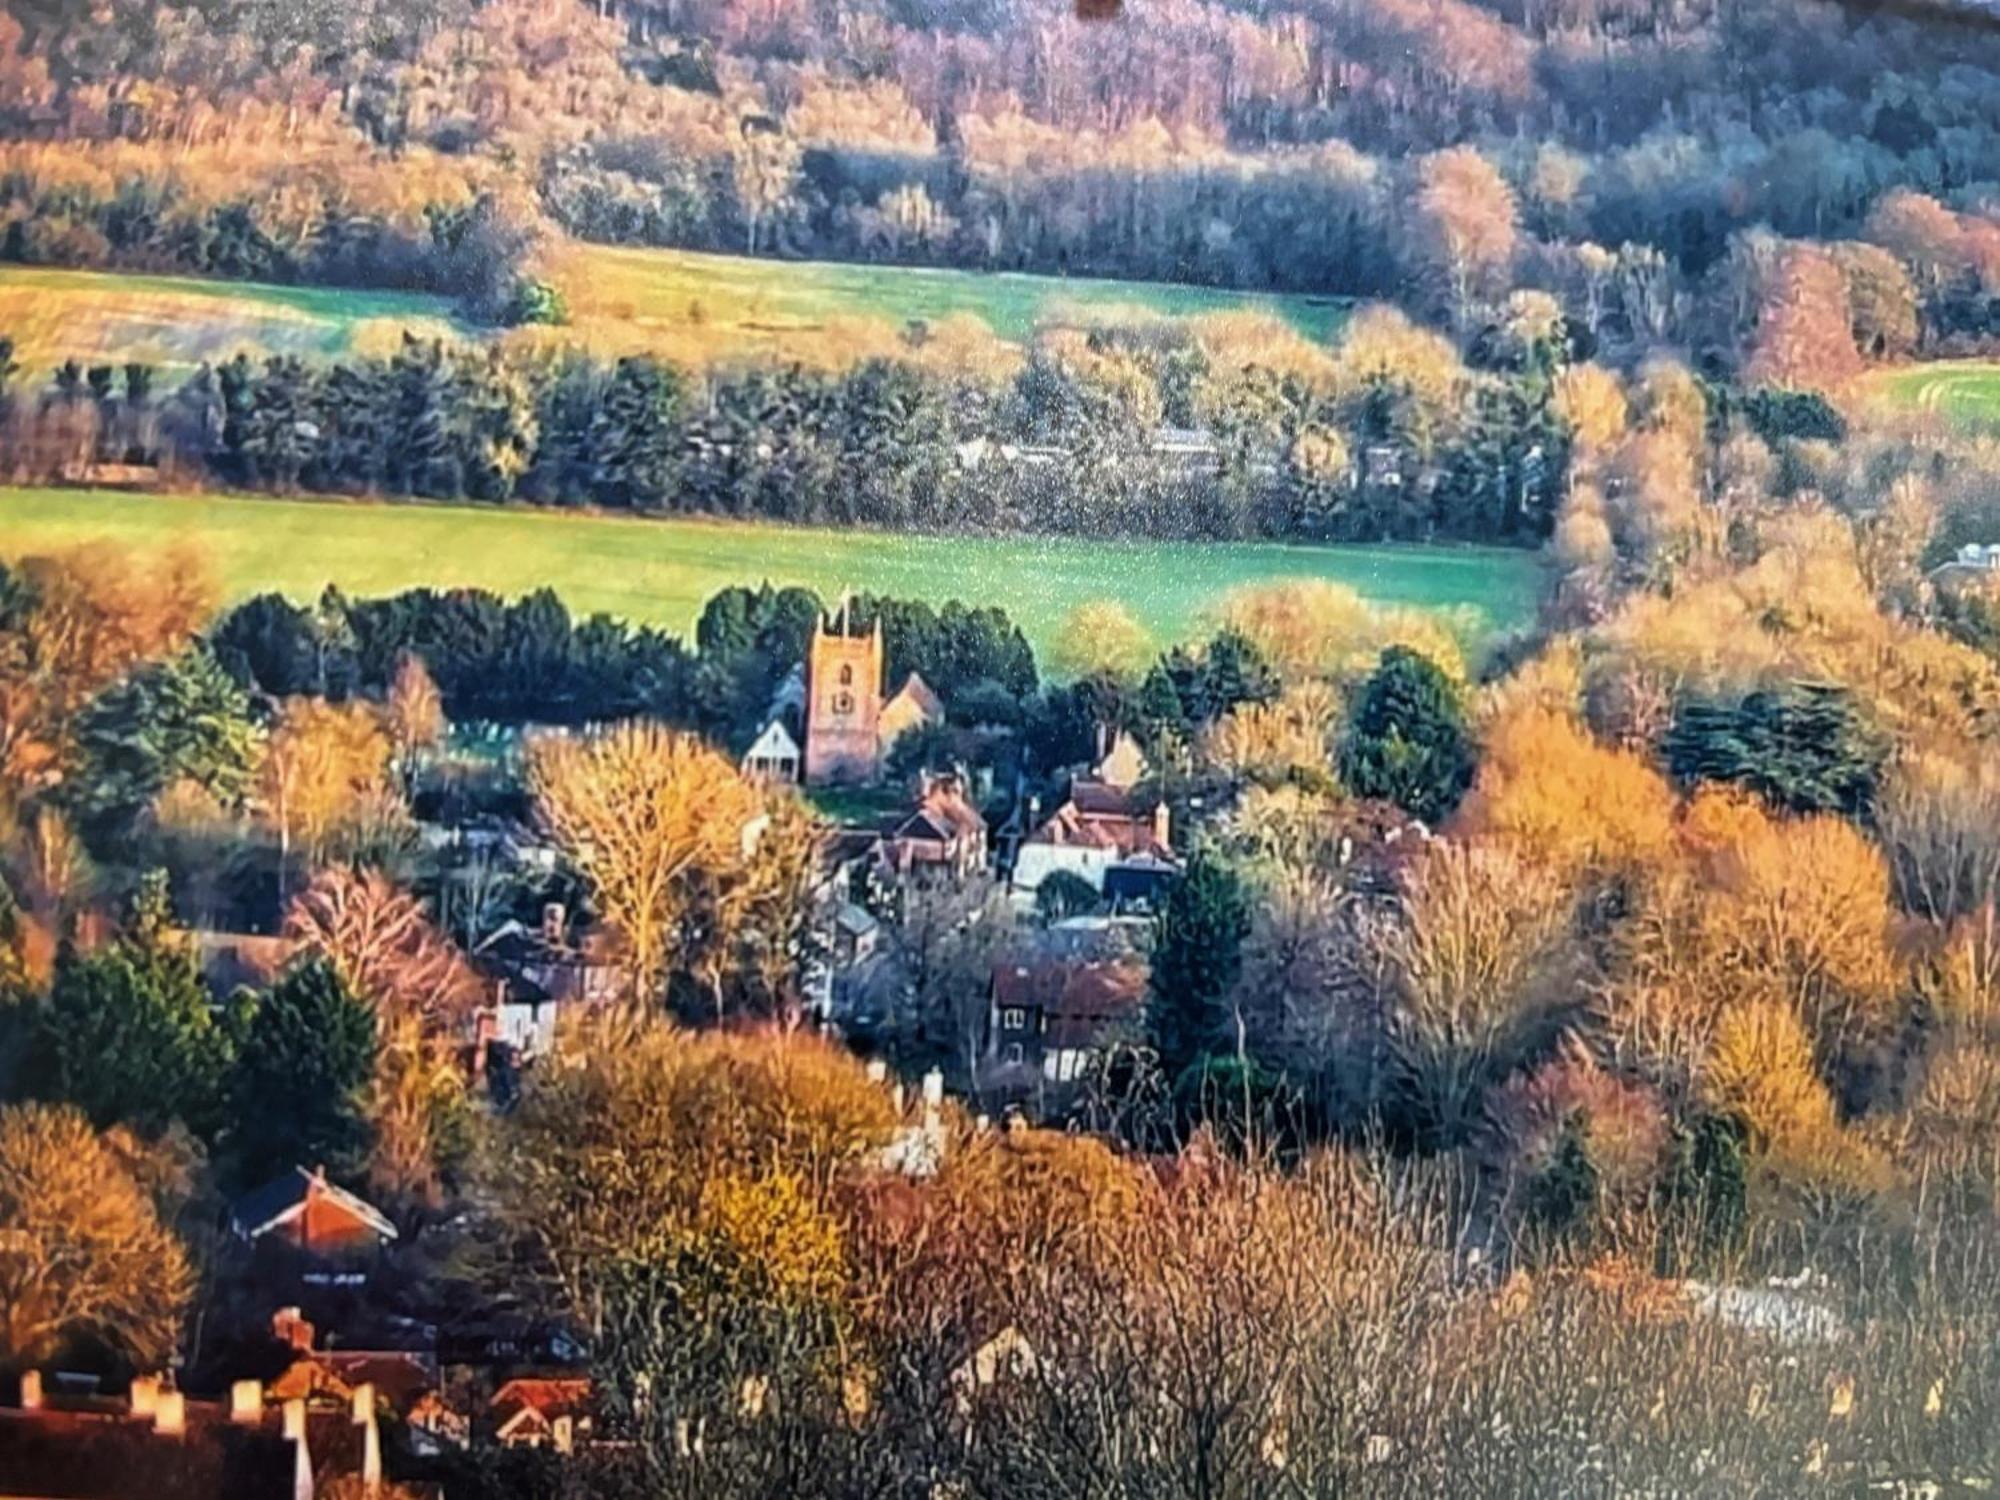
1013, 1052
1013, 1018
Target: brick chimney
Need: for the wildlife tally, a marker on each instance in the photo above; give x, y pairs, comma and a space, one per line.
246, 1401
290, 1328
31, 1390
170, 1414
144, 1396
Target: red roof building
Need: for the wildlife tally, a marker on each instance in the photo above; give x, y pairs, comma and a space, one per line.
533, 1411
1049, 1016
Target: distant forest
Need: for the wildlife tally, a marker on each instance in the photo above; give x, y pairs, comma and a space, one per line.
1787, 186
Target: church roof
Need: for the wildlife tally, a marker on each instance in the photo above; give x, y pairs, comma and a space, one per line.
919, 694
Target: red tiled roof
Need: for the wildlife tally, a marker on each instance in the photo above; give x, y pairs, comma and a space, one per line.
549, 1396
1091, 989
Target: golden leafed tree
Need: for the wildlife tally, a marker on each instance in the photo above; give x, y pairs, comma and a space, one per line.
1464, 228
1271, 742
415, 709
651, 1143
384, 946
82, 1251
1313, 628
1760, 1071
1591, 403
649, 815
1101, 635
417, 1106
72, 623
1805, 331
1565, 801
326, 771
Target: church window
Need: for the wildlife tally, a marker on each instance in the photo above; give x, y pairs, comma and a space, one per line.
847, 677
843, 703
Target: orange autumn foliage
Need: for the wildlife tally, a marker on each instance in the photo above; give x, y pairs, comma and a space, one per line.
1566, 801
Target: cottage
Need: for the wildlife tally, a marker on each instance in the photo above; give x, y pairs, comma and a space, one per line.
549, 959
542, 1411
943, 834
302, 1209
1050, 1015
913, 707
774, 755
1099, 827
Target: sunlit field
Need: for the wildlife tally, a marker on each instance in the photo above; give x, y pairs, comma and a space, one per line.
1962, 392
662, 571
692, 308
767, 300
179, 322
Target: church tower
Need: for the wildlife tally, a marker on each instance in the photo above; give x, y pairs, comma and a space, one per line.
843, 704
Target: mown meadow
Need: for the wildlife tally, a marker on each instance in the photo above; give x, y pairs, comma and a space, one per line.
662, 571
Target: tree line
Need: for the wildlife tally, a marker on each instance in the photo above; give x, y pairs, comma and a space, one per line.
1391, 436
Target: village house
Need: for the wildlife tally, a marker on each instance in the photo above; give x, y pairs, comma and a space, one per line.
774, 755
311, 1217
535, 975
1051, 1013
943, 834
1098, 828
542, 1411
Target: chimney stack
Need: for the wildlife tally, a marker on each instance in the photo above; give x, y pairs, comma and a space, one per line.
170, 1415
290, 1328
144, 1396
246, 1401
31, 1390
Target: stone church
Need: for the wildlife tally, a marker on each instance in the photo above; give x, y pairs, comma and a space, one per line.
849, 725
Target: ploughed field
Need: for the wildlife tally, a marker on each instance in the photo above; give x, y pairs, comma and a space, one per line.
660, 572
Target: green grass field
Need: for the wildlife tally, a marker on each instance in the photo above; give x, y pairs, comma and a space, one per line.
791, 296
179, 322
698, 309
1962, 392
661, 572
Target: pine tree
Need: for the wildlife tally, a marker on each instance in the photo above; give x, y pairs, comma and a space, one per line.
1407, 740
129, 1035
634, 436
296, 1092
1197, 955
